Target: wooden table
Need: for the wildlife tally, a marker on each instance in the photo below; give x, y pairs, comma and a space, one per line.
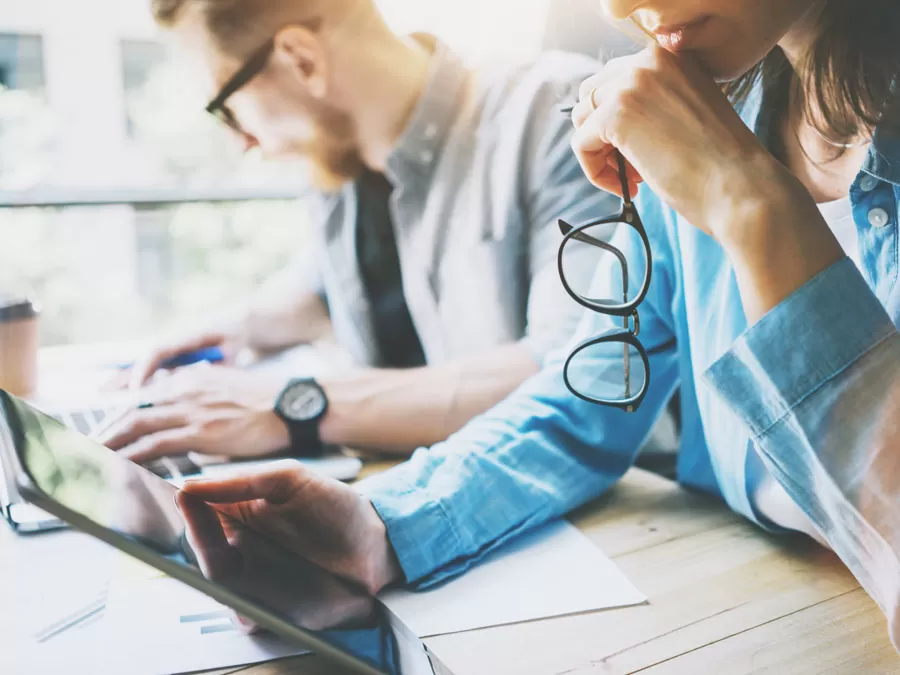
725, 598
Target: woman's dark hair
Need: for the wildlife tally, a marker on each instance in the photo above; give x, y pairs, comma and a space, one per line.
850, 80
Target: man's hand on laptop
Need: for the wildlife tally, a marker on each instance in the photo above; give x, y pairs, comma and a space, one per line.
323, 520
214, 410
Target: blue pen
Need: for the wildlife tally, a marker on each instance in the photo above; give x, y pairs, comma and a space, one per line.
209, 354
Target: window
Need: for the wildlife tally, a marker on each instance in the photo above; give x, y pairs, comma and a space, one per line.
27, 131
21, 62
139, 60
133, 211
123, 272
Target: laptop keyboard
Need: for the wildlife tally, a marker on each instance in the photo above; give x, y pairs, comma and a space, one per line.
87, 421
83, 421
173, 468
29, 518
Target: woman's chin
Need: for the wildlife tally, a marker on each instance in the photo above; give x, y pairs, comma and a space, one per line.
724, 67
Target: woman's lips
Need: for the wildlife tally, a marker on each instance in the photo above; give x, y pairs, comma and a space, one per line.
678, 37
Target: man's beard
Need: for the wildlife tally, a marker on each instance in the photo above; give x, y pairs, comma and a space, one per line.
333, 154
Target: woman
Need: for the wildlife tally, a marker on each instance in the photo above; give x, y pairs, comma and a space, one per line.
797, 339
785, 350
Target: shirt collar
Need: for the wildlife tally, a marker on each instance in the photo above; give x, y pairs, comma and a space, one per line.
432, 118
882, 160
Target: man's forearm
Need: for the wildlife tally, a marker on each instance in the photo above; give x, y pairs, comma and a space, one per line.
286, 310
271, 324
398, 411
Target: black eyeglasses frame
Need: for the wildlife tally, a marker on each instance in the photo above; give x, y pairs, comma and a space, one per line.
628, 309
252, 67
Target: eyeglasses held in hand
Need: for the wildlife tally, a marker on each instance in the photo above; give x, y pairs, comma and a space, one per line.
587, 371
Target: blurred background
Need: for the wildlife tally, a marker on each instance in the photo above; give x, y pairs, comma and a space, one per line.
124, 209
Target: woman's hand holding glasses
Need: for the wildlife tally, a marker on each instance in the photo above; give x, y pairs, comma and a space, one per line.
653, 117
678, 132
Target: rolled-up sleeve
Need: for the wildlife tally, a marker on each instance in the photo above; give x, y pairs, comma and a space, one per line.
537, 455
817, 380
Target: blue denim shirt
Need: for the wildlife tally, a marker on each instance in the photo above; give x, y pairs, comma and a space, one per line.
809, 388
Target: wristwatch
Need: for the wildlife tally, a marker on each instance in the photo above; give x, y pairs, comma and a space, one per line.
301, 405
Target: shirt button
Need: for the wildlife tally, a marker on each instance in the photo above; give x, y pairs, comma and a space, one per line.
426, 156
868, 183
431, 131
879, 218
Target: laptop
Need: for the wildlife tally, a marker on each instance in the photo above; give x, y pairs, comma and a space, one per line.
116, 501
93, 413
87, 420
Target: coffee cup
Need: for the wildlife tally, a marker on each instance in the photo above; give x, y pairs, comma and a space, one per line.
19, 337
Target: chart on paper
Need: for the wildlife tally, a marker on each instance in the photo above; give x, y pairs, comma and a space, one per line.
209, 623
169, 627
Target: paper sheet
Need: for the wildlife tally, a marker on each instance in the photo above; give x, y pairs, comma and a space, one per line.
159, 627
154, 624
179, 629
551, 572
169, 627
55, 574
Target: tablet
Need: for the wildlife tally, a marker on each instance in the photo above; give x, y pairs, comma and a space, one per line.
97, 491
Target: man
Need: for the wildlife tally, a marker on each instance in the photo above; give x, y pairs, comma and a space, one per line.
435, 260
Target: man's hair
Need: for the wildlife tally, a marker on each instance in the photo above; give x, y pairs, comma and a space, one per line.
238, 26
848, 81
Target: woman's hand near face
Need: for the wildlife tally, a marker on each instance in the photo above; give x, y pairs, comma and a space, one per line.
680, 134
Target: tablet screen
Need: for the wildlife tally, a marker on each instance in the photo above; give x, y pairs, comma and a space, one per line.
118, 495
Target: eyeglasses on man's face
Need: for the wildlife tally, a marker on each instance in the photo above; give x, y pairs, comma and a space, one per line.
587, 372
218, 106
253, 66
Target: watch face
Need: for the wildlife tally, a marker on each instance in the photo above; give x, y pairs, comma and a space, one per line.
302, 402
